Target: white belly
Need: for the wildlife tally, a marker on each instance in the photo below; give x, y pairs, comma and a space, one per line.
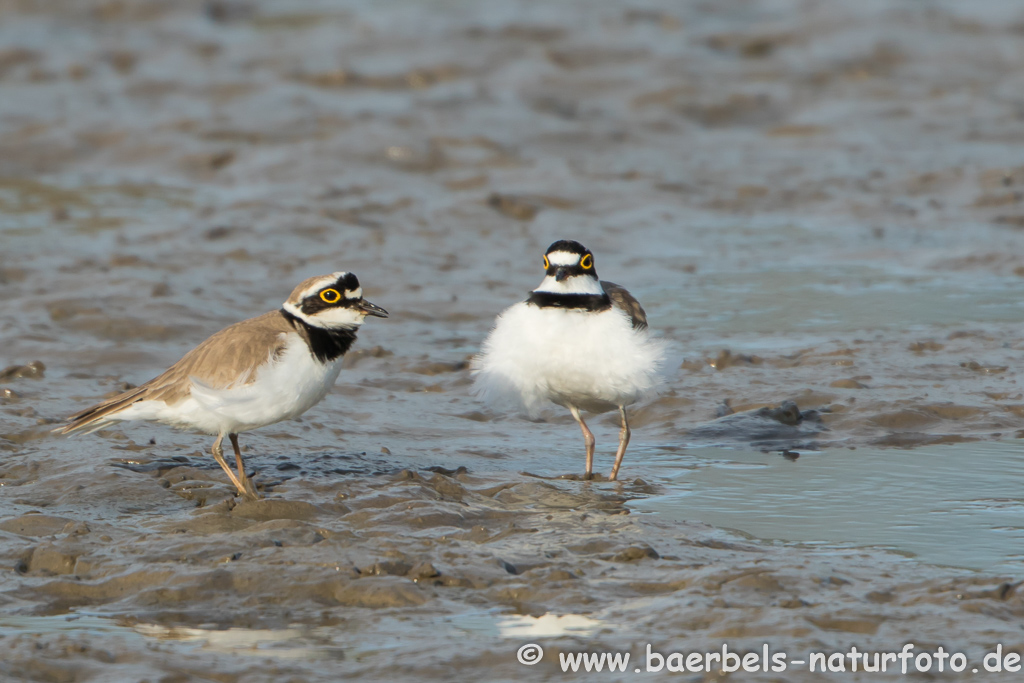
596, 361
283, 389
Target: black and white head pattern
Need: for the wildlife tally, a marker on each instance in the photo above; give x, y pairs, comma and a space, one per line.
331, 301
570, 279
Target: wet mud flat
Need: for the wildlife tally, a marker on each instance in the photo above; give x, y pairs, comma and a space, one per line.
815, 203
413, 575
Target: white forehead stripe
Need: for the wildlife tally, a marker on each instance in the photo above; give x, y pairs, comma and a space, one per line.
563, 258
356, 293
320, 283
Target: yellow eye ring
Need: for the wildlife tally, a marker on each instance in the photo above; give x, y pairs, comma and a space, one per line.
547, 264
587, 262
330, 296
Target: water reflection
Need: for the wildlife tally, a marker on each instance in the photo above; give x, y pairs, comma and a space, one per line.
547, 626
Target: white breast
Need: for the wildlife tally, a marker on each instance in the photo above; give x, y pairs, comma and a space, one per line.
594, 360
283, 388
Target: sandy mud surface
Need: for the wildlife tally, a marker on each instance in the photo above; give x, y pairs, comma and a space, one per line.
820, 205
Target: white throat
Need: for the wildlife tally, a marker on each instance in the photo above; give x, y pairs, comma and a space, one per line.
577, 284
330, 318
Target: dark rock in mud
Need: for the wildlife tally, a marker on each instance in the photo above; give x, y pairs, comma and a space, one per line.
778, 428
985, 369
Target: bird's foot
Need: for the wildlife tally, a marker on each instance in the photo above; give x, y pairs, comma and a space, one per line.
248, 490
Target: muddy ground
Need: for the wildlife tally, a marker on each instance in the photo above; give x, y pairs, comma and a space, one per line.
816, 202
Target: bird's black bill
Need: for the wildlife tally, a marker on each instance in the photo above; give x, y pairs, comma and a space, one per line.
561, 274
372, 309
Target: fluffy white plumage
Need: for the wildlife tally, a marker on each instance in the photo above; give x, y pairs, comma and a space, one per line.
594, 360
576, 342
285, 387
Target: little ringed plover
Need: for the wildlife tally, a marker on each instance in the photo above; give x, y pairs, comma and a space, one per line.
254, 373
576, 341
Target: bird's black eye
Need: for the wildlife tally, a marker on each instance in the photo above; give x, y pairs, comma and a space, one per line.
547, 264
587, 262
330, 296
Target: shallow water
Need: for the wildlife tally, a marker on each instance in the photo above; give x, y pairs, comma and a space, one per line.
960, 505
814, 304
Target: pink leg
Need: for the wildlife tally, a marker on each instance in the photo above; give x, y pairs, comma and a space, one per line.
623, 442
218, 455
249, 492
588, 439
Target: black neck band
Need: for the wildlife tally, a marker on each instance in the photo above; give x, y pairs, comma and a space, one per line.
586, 302
326, 345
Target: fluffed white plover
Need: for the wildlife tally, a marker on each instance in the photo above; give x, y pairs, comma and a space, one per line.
577, 342
254, 373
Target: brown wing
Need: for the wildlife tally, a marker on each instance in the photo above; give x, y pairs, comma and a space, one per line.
623, 300
233, 353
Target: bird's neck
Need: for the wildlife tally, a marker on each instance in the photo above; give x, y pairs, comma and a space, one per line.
327, 344
580, 292
586, 302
